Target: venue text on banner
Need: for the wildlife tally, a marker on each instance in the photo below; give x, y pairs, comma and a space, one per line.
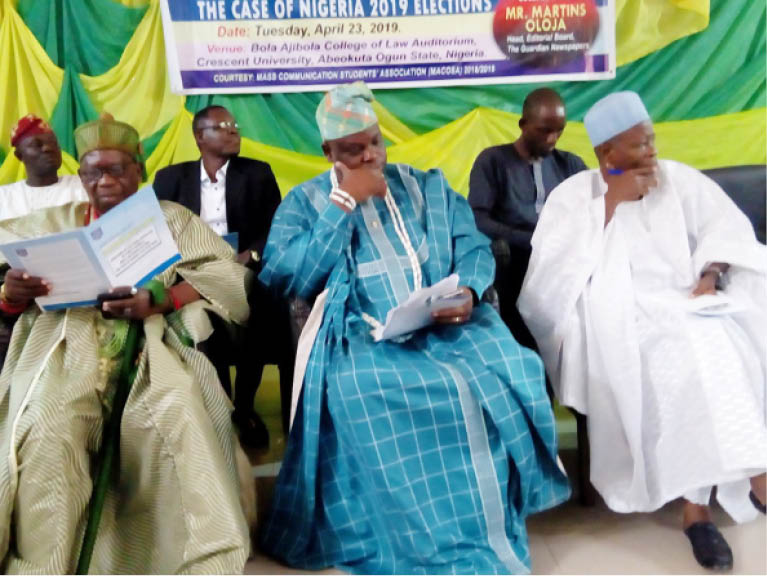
234, 46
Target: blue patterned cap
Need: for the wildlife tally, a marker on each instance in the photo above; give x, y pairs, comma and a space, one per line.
614, 114
345, 110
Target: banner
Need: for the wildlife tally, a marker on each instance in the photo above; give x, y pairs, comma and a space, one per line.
216, 46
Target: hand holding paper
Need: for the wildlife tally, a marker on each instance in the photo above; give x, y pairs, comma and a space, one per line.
418, 310
453, 308
20, 288
127, 246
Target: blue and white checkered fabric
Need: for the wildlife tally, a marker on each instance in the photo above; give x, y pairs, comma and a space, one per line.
418, 457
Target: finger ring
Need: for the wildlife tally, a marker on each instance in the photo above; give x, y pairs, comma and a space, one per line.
127, 311
456, 319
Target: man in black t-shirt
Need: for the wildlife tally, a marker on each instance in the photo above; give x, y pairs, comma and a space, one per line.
508, 187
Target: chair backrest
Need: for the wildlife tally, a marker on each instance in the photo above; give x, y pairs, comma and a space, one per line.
747, 186
299, 314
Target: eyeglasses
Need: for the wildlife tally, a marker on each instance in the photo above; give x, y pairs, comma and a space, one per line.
221, 126
94, 174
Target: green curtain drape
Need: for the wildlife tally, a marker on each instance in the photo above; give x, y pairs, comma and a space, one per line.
72, 109
88, 36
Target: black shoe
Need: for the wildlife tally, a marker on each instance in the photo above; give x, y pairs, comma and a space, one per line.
252, 431
709, 546
755, 501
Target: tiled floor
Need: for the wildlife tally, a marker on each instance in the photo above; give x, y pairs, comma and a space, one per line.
569, 539
576, 540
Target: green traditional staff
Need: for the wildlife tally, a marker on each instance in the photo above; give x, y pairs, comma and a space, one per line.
110, 444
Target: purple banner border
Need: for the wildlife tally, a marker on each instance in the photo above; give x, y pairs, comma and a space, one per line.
197, 79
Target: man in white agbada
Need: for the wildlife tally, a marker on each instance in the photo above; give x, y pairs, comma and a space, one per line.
646, 293
36, 146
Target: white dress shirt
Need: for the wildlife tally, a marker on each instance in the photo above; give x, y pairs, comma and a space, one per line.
213, 199
20, 199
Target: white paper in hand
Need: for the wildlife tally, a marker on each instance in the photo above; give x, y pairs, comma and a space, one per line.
415, 312
718, 304
126, 246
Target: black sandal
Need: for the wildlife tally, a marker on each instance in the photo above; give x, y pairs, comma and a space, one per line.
709, 546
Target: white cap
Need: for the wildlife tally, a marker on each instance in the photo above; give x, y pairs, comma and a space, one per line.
614, 114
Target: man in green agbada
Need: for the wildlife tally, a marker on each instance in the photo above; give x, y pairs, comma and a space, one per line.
174, 504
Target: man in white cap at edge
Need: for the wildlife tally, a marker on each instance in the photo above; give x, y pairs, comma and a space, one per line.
646, 295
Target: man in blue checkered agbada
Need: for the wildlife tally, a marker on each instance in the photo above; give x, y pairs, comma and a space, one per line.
420, 455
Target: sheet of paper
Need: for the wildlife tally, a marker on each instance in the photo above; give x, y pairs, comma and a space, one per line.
719, 304
132, 241
415, 312
127, 246
65, 260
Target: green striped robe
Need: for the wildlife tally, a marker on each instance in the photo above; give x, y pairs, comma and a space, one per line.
174, 507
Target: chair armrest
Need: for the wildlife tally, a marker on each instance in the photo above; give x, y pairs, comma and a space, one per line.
501, 252
491, 297
299, 314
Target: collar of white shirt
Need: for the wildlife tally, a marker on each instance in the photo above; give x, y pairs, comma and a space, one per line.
220, 174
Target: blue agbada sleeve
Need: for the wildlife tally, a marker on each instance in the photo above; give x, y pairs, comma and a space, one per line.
472, 258
304, 246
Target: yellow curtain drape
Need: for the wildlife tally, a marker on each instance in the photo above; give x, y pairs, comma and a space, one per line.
391, 127
137, 89
740, 139
644, 26
135, 3
29, 81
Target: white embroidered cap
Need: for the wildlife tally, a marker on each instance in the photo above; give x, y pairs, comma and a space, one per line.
614, 114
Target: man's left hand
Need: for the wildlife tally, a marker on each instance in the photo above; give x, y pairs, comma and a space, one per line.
706, 285
457, 315
122, 303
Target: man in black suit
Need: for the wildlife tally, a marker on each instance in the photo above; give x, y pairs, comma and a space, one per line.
234, 194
